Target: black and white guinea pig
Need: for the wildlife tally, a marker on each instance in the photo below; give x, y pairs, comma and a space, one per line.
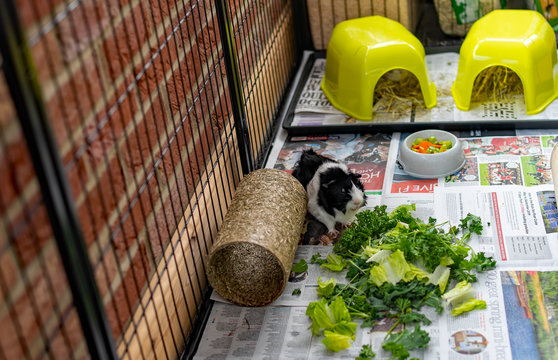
335, 194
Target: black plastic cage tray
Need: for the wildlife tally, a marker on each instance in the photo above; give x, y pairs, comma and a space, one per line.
410, 125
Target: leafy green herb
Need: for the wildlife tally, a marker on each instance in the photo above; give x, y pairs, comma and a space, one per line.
371, 224
366, 353
472, 223
400, 344
300, 267
396, 264
297, 291
316, 259
414, 317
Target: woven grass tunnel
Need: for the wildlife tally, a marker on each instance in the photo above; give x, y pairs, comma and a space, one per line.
251, 258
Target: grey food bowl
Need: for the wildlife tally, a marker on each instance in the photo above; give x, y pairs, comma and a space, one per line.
428, 166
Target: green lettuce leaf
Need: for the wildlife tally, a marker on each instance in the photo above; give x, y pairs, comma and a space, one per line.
318, 311
392, 269
379, 256
440, 277
335, 321
334, 263
335, 341
326, 288
469, 305
415, 273
300, 267
462, 292
339, 311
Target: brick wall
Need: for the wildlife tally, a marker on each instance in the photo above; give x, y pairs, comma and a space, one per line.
139, 105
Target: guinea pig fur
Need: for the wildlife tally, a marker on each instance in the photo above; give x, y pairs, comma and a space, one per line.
335, 194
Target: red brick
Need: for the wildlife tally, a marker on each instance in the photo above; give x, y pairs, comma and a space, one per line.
68, 338
235, 7
140, 144
126, 40
138, 212
74, 101
47, 56
77, 175
30, 11
81, 27
15, 157
90, 224
175, 90
36, 231
12, 341
167, 55
119, 309
9, 271
118, 113
50, 286
161, 9
34, 308
102, 200
106, 271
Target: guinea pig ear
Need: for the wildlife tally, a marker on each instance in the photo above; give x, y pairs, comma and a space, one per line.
326, 185
357, 175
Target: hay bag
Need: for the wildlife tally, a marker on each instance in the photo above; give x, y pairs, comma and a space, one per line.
250, 261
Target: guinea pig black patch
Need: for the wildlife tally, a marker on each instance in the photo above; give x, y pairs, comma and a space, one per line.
336, 189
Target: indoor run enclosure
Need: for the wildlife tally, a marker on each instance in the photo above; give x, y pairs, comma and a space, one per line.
125, 128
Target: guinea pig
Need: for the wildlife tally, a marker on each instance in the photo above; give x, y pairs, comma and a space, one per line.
335, 194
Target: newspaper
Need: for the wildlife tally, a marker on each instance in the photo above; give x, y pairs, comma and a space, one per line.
364, 154
507, 182
314, 109
520, 226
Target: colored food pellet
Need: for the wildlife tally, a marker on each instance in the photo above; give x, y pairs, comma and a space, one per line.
430, 145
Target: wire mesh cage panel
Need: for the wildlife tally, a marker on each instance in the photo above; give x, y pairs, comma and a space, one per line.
37, 312
156, 109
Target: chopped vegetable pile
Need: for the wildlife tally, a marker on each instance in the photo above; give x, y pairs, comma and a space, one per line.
396, 264
430, 145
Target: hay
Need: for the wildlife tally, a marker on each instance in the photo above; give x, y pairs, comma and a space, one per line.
397, 91
324, 15
250, 261
496, 83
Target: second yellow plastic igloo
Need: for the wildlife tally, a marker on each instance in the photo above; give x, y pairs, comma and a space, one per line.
521, 40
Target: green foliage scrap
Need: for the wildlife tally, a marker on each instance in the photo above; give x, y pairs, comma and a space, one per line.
300, 267
396, 264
